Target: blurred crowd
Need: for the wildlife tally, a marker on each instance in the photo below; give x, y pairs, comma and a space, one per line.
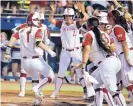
91, 6
13, 65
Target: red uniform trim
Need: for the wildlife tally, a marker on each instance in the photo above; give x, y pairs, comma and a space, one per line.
38, 34
23, 26
130, 87
16, 35
120, 34
88, 40
23, 75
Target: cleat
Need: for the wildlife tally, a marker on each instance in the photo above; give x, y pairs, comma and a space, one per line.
54, 95
21, 94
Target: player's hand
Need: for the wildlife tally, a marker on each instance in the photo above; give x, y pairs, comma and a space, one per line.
7, 56
53, 7
52, 53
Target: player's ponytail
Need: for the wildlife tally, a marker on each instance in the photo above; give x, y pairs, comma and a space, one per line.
94, 22
118, 19
101, 42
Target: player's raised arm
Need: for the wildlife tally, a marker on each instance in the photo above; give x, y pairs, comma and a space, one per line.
127, 15
82, 12
51, 16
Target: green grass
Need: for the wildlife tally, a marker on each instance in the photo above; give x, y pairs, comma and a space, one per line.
48, 87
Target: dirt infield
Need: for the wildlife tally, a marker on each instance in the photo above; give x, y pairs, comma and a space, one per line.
70, 95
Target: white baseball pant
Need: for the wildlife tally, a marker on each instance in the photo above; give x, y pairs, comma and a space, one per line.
106, 75
127, 73
37, 65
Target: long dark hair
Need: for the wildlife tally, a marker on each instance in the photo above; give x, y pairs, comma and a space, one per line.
101, 42
119, 19
99, 37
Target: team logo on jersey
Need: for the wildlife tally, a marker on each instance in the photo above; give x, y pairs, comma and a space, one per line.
119, 36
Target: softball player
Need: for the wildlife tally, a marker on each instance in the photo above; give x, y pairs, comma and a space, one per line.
71, 48
31, 42
97, 46
129, 20
47, 42
124, 48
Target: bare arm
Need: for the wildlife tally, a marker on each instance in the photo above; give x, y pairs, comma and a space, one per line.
42, 45
16, 46
82, 9
85, 55
116, 3
126, 52
45, 47
11, 42
51, 16
128, 16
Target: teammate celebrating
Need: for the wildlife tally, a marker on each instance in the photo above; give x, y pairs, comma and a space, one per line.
23, 74
97, 46
31, 41
124, 48
71, 48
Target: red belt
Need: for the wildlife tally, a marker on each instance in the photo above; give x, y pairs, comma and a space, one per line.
71, 49
33, 57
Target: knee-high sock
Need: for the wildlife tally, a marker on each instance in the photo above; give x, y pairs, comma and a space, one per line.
120, 100
82, 82
108, 97
22, 81
58, 85
130, 90
99, 97
43, 82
